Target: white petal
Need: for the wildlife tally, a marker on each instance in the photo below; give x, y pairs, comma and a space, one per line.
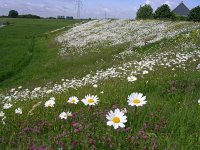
109, 123
140, 95
143, 98
116, 125
121, 125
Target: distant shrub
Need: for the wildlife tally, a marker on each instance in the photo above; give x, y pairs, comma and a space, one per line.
145, 12
51, 18
176, 17
13, 14
194, 14
29, 16
163, 12
3, 16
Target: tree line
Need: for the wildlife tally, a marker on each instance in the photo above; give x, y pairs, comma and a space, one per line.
164, 12
144, 12
15, 14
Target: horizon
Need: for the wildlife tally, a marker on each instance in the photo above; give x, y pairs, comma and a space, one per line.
90, 9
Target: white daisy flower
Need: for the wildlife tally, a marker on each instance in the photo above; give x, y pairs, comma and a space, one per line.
7, 106
37, 89
7, 98
198, 67
49, 91
52, 98
12, 90
199, 101
18, 111
65, 115
73, 100
136, 99
95, 86
102, 92
2, 114
131, 79
145, 72
90, 100
3, 122
49, 103
116, 119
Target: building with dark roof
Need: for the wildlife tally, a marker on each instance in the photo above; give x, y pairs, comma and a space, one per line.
182, 10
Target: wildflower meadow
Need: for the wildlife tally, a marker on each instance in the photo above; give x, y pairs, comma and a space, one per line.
100, 84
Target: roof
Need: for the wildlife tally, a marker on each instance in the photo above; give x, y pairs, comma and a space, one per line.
181, 10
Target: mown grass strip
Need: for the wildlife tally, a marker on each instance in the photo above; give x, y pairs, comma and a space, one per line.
21, 64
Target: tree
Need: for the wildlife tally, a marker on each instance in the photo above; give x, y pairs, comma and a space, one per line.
176, 17
29, 16
13, 14
194, 14
163, 12
145, 12
51, 18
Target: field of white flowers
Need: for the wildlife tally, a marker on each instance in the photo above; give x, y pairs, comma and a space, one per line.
176, 57
114, 32
77, 112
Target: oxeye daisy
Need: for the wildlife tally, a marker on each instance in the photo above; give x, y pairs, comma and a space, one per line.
145, 72
52, 98
136, 99
95, 86
116, 119
73, 100
2, 114
199, 101
7, 106
90, 100
131, 79
18, 111
65, 115
50, 103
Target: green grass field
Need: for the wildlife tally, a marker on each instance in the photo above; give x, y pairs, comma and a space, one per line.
170, 119
27, 53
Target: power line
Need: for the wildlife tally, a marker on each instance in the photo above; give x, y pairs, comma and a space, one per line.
78, 8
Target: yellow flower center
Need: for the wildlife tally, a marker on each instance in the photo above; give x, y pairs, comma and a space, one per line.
73, 101
90, 101
136, 101
116, 120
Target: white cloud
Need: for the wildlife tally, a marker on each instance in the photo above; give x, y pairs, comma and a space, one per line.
156, 3
148, 2
67, 8
106, 9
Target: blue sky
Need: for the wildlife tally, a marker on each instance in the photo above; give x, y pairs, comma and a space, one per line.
90, 8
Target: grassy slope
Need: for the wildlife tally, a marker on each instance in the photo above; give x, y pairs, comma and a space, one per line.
171, 116
21, 54
40, 62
